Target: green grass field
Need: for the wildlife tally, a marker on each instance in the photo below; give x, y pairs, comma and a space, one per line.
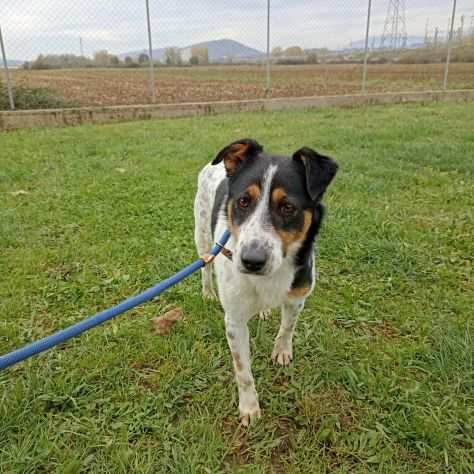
383, 376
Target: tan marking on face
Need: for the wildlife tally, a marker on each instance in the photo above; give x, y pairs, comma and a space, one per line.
299, 292
287, 237
233, 229
234, 157
278, 195
254, 192
237, 362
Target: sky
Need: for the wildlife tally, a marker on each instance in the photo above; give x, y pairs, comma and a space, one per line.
31, 27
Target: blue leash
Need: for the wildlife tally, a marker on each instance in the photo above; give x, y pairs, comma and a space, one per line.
57, 338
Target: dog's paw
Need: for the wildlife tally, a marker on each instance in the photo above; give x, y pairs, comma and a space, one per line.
264, 315
209, 294
249, 416
282, 352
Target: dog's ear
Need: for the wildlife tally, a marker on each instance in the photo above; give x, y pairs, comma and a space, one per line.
320, 171
236, 153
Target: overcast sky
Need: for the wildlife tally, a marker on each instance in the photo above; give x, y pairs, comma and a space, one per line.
31, 27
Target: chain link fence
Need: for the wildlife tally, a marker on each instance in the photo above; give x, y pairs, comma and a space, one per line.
121, 52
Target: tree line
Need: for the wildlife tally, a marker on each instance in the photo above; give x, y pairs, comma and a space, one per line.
427, 53
102, 58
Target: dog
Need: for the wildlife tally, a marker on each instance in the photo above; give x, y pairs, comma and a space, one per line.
272, 206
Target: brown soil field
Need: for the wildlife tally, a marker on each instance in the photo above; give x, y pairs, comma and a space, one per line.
212, 83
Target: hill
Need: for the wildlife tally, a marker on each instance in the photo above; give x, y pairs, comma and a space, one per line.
375, 41
219, 51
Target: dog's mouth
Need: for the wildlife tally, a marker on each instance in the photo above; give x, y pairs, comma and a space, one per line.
255, 273
260, 271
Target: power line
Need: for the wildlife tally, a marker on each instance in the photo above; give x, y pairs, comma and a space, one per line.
427, 32
395, 28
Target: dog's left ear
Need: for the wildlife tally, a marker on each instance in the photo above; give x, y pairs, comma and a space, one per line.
236, 153
320, 171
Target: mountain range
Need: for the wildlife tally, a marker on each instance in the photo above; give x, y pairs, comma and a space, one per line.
13, 63
375, 42
222, 50
218, 50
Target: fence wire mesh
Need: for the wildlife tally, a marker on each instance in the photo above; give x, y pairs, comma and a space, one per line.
93, 53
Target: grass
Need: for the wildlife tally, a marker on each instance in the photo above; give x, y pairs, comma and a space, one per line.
383, 376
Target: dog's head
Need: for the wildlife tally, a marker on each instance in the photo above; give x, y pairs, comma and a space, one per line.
272, 202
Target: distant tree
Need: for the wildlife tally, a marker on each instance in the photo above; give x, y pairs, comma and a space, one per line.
194, 60
202, 54
129, 62
172, 57
277, 51
40, 63
102, 58
58, 61
294, 51
114, 61
312, 58
143, 58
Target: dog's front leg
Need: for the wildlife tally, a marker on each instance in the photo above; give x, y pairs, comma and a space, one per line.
237, 333
283, 348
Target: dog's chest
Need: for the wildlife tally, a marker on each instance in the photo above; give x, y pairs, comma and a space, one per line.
272, 292
256, 293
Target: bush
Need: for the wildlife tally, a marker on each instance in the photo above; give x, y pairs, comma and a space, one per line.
27, 98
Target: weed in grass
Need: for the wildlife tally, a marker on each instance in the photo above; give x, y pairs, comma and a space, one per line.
33, 98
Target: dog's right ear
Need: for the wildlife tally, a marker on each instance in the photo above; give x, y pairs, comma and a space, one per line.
236, 153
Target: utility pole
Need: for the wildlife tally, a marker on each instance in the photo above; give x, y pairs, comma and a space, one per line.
150, 54
366, 55
427, 32
269, 83
450, 41
81, 47
461, 30
471, 31
7, 72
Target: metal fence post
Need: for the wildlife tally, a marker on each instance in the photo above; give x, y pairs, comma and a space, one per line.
7, 72
269, 83
450, 41
366, 54
150, 55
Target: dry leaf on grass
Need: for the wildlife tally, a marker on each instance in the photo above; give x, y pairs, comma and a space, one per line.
20, 192
163, 324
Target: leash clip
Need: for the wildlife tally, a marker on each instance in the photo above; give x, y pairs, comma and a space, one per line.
207, 258
225, 251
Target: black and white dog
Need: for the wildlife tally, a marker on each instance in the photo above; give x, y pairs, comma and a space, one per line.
272, 206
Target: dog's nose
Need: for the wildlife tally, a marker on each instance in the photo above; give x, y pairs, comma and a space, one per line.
254, 257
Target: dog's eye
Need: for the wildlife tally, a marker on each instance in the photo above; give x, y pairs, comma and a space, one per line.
287, 209
243, 202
